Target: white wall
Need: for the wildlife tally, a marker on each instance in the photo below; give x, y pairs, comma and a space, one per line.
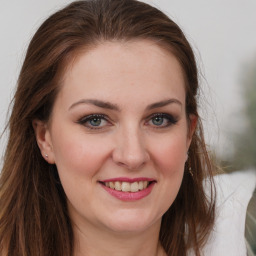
222, 33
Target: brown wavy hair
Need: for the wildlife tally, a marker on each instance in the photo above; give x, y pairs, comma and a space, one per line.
33, 212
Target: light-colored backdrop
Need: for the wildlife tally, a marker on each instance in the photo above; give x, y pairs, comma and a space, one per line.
221, 32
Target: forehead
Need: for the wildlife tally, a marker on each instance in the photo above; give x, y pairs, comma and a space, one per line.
123, 68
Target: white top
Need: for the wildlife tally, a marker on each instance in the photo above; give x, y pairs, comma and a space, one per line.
234, 192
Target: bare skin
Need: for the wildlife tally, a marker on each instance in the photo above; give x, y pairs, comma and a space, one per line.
120, 114
124, 245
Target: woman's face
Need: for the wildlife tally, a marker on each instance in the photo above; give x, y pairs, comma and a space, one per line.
119, 136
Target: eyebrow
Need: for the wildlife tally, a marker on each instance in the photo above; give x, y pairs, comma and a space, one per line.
163, 103
108, 105
98, 103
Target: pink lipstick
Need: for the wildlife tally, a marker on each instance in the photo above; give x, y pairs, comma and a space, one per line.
127, 189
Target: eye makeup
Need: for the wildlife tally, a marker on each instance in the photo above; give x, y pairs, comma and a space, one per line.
95, 121
161, 120
100, 121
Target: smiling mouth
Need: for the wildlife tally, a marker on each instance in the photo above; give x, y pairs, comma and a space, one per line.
125, 186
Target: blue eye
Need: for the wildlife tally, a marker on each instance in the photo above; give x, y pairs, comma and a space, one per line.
95, 121
158, 120
161, 120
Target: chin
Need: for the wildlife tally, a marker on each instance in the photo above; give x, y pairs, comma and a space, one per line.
132, 223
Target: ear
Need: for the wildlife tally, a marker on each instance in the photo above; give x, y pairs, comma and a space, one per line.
44, 141
191, 128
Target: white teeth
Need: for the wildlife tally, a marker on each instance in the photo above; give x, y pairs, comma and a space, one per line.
140, 185
111, 184
118, 185
134, 187
127, 186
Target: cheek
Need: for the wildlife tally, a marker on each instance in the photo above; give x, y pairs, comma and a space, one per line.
169, 158
170, 155
79, 154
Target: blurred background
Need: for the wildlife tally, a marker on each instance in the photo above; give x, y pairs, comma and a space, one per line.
223, 36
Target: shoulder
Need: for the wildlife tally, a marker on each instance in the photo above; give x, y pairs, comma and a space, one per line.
234, 192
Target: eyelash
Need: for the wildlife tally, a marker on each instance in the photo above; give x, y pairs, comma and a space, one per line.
84, 121
170, 120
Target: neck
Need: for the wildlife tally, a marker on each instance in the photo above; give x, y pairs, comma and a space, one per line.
92, 242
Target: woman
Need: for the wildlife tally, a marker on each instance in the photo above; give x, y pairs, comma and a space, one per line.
106, 154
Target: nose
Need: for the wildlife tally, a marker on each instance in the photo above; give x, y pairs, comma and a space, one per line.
130, 151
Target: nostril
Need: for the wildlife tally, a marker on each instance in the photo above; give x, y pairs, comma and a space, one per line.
130, 153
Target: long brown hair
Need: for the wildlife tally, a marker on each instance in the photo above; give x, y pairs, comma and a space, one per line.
33, 213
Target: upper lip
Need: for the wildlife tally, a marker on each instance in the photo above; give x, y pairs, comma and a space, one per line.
126, 179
